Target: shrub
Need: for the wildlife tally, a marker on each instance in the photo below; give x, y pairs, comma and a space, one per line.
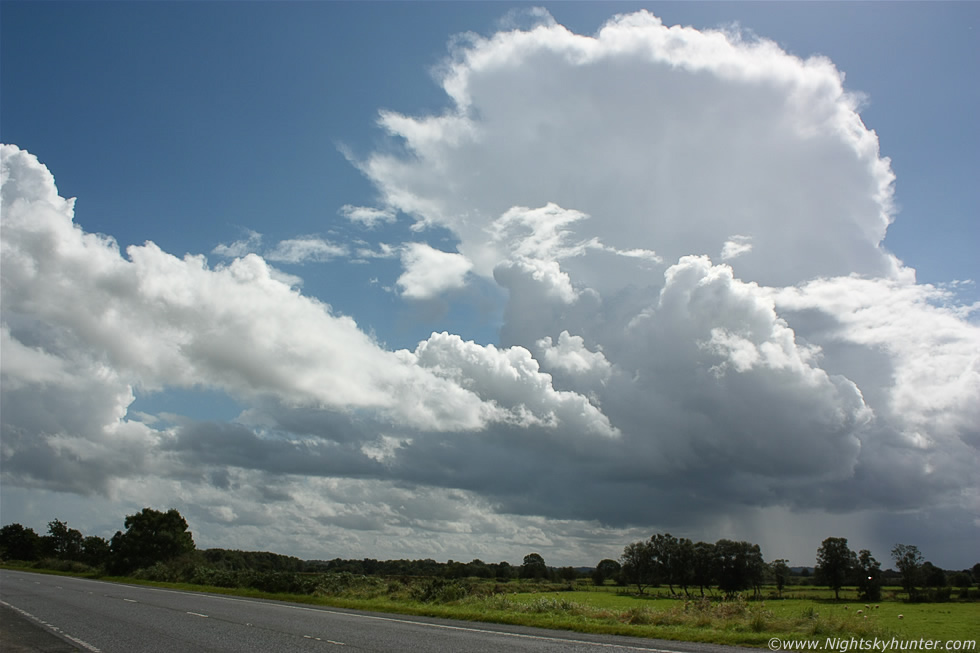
439, 590
71, 566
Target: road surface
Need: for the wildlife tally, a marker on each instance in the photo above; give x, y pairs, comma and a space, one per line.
96, 616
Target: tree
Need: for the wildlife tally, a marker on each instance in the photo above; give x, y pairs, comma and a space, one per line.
738, 566
534, 566
780, 573
19, 543
663, 549
868, 573
961, 579
932, 576
151, 536
908, 560
505, 571
62, 542
683, 567
95, 551
568, 573
673, 559
638, 567
703, 565
835, 562
605, 570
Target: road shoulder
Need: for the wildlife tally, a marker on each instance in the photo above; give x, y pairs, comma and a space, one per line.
18, 634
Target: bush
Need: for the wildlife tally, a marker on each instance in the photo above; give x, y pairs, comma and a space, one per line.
70, 566
345, 583
439, 590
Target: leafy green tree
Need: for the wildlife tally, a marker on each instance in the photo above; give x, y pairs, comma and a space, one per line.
504, 571
739, 566
835, 563
477, 568
151, 536
638, 566
19, 543
663, 549
683, 567
908, 560
567, 573
605, 570
868, 572
704, 565
933, 576
95, 551
961, 579
534, 566
62, 542
674, 560
780, 573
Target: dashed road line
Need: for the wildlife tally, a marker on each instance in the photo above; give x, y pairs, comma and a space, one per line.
82, 643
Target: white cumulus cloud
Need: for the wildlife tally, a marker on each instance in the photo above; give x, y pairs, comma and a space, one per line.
429, 271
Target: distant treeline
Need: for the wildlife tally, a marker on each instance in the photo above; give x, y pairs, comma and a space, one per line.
736, 567
157, 545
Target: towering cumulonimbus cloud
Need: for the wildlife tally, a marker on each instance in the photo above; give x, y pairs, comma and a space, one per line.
593, 176
700, 319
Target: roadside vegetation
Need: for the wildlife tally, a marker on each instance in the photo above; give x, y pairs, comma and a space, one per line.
663, 587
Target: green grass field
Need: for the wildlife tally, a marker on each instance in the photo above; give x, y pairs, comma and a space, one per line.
798, 616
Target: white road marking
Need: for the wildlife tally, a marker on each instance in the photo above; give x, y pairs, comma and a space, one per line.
198, 614
130, 601
27, 614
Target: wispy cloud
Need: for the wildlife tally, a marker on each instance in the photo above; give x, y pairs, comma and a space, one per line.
736, 246
367, 215
291, 250
307, 248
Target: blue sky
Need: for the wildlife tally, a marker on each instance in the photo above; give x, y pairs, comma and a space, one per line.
241, 130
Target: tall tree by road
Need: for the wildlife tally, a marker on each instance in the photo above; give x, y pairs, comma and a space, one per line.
151, 536
19, 543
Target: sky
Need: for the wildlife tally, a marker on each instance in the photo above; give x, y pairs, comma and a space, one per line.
472, 280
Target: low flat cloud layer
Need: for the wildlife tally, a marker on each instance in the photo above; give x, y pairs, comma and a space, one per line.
802, 380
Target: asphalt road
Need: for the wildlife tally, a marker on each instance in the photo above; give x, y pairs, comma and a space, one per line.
105, 617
